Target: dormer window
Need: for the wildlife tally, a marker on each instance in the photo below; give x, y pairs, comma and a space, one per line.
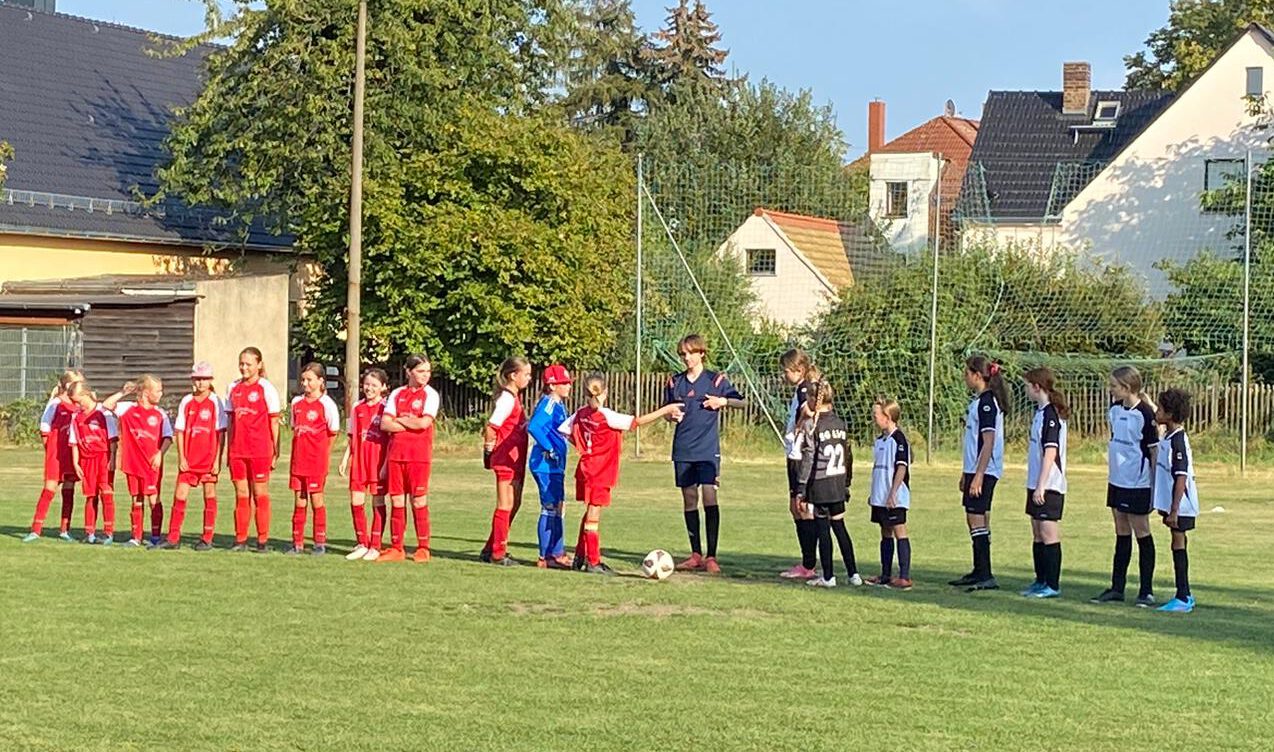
1106, 113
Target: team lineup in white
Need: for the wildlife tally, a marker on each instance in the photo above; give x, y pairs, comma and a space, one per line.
389, 457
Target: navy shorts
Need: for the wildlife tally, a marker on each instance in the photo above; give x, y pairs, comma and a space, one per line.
1128, 500
552, 487
702, 473
1183, 523
793, 476
1050, 510
887, 516
979, 504
828, 511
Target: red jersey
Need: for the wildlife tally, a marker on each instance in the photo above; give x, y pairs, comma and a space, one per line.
367, 442
598, 435
55, 427
412, 446
94, 431
314, 423
250, 407
201, 422
509, 421
141, 429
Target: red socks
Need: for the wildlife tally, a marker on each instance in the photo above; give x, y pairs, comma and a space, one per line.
174, 522
593, 545
68, 506
156, 519
377, 539
581, 546
320, 525
108, 513
90, 516
500, 534
135, 521
397, 527
41, 511
241, 515
359, 513
298, 526
209, 518
420, 515
263, 518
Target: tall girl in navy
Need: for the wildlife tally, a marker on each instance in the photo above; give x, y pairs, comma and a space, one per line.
983, 464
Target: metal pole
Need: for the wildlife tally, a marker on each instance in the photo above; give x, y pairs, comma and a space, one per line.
1247, 280
22, 367
354, 292
933, 315
637, 387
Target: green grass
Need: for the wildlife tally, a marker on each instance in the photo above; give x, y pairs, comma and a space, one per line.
118, 649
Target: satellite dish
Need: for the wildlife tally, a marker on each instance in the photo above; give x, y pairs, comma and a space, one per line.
949, 109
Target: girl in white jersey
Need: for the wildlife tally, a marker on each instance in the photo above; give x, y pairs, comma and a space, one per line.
891, 495
801, 373
1176, 496
983, 464
1134, 435
1046, 480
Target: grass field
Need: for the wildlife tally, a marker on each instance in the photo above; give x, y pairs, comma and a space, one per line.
119, 649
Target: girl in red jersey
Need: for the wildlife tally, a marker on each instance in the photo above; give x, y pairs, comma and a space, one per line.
409, 418
145, 434
504, 453
364, 465
200, 438
96, 437
315, 420
252, 407
59, 459
597, 433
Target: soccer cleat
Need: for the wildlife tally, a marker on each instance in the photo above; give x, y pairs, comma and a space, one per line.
987, 584
711, 566
798, 572
485, 556
166, 546
65, 537
507, 561
132, 543
238, 548
260, 549
106, 540
898, 583
1177, 606
964, 580
561, 562
878, 581
391, 554
856, 579
1109, 595
293, 551
1032, 589
154, 541
319, 549
421, 556
90, 539
694, 563
30, 537
203, 546
1190, 600
579, 563
821, 583
151, 544
1046, 592
540, 563
601, 569
1146, 600
359, 552
373, 554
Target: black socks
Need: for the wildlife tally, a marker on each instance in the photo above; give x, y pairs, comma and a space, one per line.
692, 529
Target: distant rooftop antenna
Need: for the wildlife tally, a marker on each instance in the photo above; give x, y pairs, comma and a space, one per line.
949, 109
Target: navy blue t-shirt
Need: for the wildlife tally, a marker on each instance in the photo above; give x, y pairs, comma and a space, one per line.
697, 437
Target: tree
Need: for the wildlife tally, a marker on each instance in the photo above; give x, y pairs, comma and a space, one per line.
6, 154
1197, 31
607, 74
488, 229
688, 53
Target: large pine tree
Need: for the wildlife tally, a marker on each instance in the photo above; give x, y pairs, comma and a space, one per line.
608, 77
686, 49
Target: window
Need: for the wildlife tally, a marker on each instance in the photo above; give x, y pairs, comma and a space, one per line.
761, 262
1255, 82
1106, 112
895, 200
1218, 172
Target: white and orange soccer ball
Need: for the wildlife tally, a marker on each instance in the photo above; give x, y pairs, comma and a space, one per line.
658, 565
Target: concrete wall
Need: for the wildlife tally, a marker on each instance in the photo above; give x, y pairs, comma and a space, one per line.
240, 311
796, 291
1038, 236
920, 172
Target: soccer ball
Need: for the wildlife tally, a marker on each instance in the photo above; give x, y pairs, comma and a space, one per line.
657, 565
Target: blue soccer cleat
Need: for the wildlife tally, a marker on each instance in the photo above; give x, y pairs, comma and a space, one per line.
30, 537
1046, 592
1177, 606
1032, 589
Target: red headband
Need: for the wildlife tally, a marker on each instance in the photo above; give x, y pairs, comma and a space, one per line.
995, 369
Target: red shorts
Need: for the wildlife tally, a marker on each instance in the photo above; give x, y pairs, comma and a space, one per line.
255, 469
371, 488
308, 484
597, 496
97, 475
138, 486
58, 468
509, 473
409, 478
195, 478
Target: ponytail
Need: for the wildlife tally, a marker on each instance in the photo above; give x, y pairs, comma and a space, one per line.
1130, 378
254, 352
1044, 379
595, 387
504, 376
992, 374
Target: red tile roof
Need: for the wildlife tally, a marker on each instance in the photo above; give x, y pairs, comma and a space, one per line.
828, 244
950, 136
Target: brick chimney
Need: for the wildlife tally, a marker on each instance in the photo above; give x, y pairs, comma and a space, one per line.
1077, 81
875, 125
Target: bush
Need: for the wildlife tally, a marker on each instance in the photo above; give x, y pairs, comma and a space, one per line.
20, 422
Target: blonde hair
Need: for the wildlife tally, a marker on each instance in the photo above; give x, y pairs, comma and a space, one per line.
823, 394
254, 352
595, 387
149, 380
76, 388
1130, 378
890, 408
504, 376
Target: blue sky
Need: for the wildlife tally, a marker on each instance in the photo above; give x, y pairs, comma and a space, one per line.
914, 55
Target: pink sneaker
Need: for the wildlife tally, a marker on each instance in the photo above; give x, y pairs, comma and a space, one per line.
798, 572
695, 562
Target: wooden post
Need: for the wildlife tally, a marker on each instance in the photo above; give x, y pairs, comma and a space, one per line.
354, 291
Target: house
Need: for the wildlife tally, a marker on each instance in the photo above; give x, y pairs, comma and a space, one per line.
916, 177
797, 264
1118, 175
86, 109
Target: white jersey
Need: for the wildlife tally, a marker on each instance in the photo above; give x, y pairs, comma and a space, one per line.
1047, 430
1133, 437
984, 422
1174, 460
888, 454
791, 439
